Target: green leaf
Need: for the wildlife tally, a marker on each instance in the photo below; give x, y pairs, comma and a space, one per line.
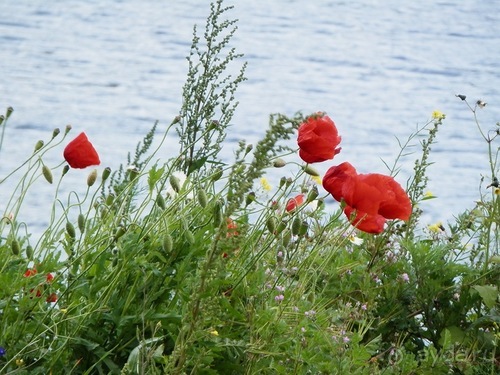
154, 176
488, 293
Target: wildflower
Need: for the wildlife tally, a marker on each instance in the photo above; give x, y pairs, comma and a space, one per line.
214, 332
280, 288
355, 240
405, 277
372, 197
231, 228
52, 298
364, 307
30, 272
438, 115
279, 298
265, 184
318, 139
346, 339
2, 351
80, 153
436, 228
316, 179
310, 313
293, 203
497, 191
19, 362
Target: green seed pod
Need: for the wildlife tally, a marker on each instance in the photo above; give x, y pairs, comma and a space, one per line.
304, 227
271, 224
310, 170
110, 199
282, 181
218, 212
15, 247
29, 252
167, 243
281, 227
55, 132
175, 183
189, 236
287, 237
67, 129
9, 112
250, 198
119, 232
81, 223
70, 229
296, 224
2, 119
160, 201
65, 169
313, 194
105, 173
47, 173
279, 163
202, 198
217, 174
38, 145
92, 177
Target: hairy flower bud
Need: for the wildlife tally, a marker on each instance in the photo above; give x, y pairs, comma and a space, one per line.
189, 236
202, 198
9, 112
313, 194
286, 238
250, 198
47, 173
120, 231
160, 201
175, 183
217, 174
81, 223
92, 177
105, 173
218, 212
310, 170
110, 199
15, 247
167, 243
279, 163
304, 227
70, 229
67, 129
39, 144
65, 169
29, 252
271, 224
296, 224
55, 132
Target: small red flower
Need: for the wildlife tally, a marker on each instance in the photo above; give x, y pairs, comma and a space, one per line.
30, 272
293, 203
80, 153
374, 197
231, 228
318, 139
52, 298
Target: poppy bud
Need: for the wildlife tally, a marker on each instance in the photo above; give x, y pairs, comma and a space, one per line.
70, 229
67, 129
248, 149
47, 173
304, 226
202, 198
119, 232
105, 173
217, 174
282, 181
271, 224
110, 199
38, 145
218, 213
81, 223
313, 194
55, 132
65, 169
175, 183
160, 201
281, 227
250, 198
296, 224
287, 237
463, 97
2, 118
289, 181
9, 112
15, 247
91, 179
29, 252
213, 125
167, 243
310, 170
279, 163
176, 119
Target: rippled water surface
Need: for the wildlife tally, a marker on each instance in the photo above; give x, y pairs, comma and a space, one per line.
378, 68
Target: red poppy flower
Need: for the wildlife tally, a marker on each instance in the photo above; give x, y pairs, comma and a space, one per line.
80, 153
52, 298
373, 196
30, 272
231, 228
318, 139
367, 223
293, 203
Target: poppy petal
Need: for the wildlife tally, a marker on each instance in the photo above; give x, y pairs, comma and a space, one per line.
80, 153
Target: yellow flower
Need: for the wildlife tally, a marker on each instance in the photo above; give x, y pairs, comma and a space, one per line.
438, 115
316, 179
19, 362
214, 332
265, 184
436, 228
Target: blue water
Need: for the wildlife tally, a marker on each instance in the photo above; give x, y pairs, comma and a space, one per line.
378, 68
